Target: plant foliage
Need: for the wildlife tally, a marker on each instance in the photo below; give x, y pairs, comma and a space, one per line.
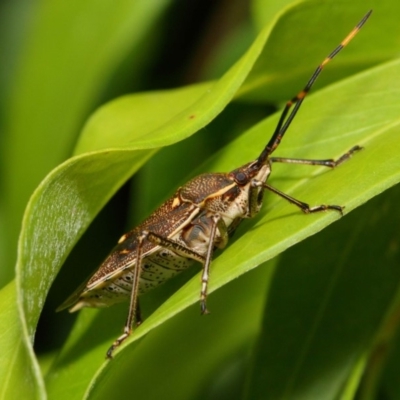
81, 117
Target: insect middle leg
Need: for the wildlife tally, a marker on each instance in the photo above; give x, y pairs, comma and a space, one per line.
216, 222
203, 229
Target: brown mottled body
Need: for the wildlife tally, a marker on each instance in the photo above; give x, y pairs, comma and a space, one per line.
183, 220
193, 222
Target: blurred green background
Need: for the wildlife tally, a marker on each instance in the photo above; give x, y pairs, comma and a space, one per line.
61, 62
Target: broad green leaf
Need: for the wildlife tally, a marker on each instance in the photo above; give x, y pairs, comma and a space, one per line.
333, 121
20, 377
326, 303
130, 122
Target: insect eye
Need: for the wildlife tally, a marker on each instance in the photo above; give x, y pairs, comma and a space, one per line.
241, 178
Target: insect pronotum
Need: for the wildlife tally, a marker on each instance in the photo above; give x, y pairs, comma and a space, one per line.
197, 219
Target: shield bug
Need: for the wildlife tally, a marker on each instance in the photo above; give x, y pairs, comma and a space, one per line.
194, 222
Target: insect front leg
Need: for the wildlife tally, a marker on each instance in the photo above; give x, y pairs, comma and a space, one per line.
330, 163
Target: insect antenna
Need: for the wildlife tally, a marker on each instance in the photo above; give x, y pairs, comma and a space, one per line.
285, 120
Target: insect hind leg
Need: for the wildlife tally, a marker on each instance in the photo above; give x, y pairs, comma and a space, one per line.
216, 222
133, 299
127, 328
134, 310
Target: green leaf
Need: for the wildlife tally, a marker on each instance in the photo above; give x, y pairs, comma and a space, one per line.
20, 377
129, 122
321, 131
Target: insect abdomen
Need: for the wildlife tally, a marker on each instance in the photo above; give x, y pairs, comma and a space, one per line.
156, 269
159, 267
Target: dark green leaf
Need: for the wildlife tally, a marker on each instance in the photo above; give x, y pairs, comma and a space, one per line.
326, 303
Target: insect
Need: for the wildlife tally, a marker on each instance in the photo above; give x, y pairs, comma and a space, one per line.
195, 221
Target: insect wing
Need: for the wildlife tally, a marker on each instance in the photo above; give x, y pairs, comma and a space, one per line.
123, 256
